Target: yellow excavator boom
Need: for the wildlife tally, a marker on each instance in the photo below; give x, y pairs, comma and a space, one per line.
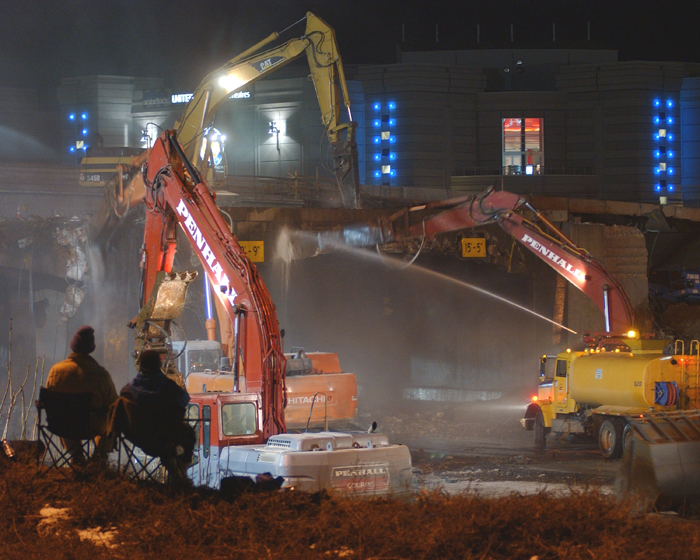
321, 49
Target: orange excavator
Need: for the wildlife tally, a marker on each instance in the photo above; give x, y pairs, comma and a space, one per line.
243, 433
178, 198
308, 373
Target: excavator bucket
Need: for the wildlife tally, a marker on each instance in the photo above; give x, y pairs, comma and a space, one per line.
661, 464
164, 304
167, 297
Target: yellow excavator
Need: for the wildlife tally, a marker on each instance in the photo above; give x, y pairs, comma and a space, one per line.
318, 43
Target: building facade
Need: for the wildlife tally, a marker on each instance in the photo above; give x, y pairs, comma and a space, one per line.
572, 123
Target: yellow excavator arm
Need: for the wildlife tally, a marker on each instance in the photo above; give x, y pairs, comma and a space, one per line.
321, 48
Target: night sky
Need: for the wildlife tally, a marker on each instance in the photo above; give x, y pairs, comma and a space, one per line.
181, 41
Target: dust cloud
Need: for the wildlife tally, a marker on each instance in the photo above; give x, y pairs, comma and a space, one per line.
414, 339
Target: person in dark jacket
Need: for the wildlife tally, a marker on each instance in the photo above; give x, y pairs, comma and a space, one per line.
152, 415
80, 373
152, 387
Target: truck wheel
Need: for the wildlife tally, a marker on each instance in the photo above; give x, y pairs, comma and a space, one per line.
610, 439
627, 434
540, 436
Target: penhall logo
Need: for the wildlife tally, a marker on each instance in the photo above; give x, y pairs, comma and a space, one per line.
370, 477
204, 249
552, 256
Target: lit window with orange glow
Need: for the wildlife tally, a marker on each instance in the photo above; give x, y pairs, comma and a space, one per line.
523, 145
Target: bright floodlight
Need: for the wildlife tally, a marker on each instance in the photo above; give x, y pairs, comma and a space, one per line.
230, 82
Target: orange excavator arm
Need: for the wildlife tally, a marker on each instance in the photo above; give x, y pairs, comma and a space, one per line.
540, 237
177, 196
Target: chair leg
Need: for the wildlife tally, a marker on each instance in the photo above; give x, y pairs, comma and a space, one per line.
136, 466
53, 457
57, 453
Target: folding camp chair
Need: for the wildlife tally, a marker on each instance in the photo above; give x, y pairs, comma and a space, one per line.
144, 440
67, 418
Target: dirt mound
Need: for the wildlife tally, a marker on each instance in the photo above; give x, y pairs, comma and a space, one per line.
98, 514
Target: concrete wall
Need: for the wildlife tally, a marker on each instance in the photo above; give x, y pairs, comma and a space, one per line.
622, 250
436, 120
609, 121
107, 102
44, 191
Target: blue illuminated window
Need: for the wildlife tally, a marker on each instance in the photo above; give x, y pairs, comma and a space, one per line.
377, 157
392, 157
664, 120
376, 140
377, 106
392, 122
377, 122
392, 105
393, 173
392, 139
71, 117
84, 116
71, 149
84, 131
84, 148
377, 173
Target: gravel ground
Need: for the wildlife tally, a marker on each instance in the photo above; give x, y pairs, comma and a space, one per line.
480, 447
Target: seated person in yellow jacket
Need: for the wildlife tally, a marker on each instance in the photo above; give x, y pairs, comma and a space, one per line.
80, 373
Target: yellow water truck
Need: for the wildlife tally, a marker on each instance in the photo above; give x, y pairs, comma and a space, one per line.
599, 391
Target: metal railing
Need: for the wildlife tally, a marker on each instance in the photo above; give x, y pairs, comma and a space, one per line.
293, 190
521, 170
